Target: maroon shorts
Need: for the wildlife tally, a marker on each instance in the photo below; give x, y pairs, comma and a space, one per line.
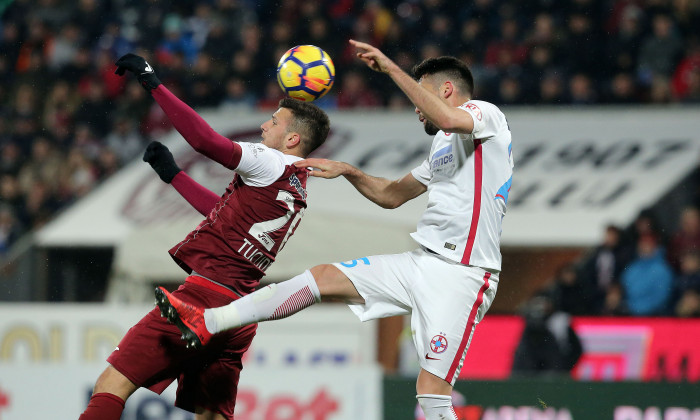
152, 355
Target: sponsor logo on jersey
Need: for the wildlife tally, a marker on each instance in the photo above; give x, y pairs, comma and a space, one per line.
442, 157
450, 246
430, 358
294, 182
438, 344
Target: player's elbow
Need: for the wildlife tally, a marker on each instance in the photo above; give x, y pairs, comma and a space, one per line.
387, 205
392, 203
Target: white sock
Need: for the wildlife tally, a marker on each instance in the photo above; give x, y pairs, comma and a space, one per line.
437, 407
275, 301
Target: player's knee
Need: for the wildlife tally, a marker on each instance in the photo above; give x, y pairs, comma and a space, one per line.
333, 284
114, 382
325, 278
429, 383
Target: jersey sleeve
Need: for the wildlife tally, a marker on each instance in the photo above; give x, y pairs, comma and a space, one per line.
259, 165
196, 131
422, 173
198, 196
484, 120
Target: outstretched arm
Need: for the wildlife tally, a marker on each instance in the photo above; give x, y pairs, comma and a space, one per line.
384, 192
187, 122
447, 118
196, 131
202, 199
161, 160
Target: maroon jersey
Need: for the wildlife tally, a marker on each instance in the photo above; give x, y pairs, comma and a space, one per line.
251, 222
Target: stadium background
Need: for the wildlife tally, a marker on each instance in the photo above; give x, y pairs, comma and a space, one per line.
576, 78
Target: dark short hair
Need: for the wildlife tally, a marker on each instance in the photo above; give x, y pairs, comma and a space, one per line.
453, 68
310, 121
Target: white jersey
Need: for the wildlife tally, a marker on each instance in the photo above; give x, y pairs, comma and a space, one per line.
261, 166
468, 178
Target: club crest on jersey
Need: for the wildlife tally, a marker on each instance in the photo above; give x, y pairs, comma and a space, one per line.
438, 344
475, 109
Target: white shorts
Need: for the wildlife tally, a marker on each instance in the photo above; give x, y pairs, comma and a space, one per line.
446, 301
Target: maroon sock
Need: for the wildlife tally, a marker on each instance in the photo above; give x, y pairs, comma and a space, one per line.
103, 406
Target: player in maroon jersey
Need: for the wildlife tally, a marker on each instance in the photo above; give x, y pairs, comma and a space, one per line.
225, 256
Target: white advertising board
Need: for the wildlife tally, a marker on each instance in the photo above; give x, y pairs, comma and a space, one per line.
317, 364
326, 334
62, 391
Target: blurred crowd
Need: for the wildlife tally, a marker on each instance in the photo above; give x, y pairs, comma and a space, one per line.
639, 271
67, 122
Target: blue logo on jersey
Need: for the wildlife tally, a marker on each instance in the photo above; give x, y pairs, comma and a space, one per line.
504, 191
443, 157
353, 263
294, 182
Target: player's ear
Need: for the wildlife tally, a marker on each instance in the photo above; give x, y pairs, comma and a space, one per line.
293, 139
447, 89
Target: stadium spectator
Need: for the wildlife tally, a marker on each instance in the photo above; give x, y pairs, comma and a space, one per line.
622, 89
237, 94
353, 92
660, 51
39, 205
646, 223
623, 47
602, 269
686, 79
509, 91
85, 141
78, 175
176, 40
10, 229
569, 293
124, 140
507, 48
548, 344
688, 285
551, 90
204, 88
43, 166
10, 159
473, 38
95, 108
583, 44
581, 90
686, 238
647, 283
10, 193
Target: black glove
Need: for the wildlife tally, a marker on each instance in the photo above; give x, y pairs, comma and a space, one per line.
161, 160
140, 67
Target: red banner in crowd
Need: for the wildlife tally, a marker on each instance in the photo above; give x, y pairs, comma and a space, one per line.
647, 349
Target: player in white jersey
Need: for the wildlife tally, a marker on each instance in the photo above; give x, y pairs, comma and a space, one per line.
450, 281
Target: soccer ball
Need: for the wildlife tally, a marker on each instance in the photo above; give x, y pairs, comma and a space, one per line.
305, 72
